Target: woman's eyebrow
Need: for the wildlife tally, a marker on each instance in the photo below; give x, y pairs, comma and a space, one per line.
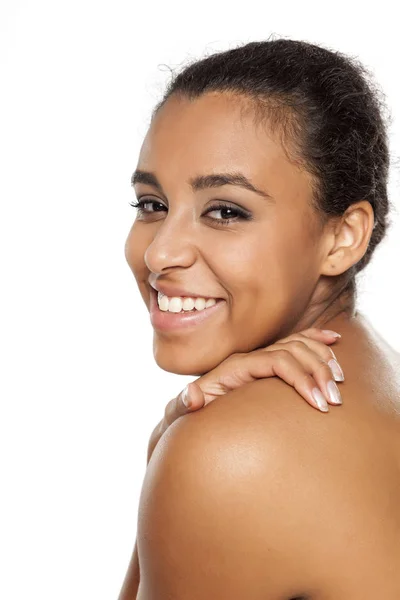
201, 182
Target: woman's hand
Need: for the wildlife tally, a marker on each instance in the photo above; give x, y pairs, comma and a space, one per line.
304, 360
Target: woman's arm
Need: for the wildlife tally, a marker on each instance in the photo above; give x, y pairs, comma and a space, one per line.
131, 583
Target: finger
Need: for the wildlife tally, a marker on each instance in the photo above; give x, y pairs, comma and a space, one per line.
177, 408
281, 363
194, 397
326, 336
288, 368
316, 366
316, 332
326, 354
235, 371
324, 351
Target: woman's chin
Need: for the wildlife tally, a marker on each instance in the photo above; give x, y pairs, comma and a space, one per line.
182, 364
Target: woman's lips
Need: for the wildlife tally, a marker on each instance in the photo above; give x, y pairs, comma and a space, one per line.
168, 321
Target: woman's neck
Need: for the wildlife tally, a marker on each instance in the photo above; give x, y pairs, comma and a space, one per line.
329, 313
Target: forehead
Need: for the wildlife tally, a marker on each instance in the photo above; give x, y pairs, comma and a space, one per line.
216, 133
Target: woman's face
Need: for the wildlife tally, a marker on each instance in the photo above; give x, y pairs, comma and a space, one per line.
260, 255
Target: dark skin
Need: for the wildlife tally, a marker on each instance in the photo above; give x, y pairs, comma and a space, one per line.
273, 522
303, 360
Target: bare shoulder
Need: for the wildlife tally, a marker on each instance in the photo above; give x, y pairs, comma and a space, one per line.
255, 496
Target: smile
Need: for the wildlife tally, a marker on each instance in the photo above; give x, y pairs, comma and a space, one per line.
165, 320
179, 304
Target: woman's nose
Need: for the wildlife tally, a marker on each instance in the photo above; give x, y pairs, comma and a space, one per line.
172, 246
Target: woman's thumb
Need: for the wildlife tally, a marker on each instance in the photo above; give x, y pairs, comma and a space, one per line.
192, 396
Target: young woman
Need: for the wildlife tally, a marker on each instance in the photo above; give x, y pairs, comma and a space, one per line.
261, 192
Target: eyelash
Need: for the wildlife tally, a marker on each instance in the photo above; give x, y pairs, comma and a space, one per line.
241, 214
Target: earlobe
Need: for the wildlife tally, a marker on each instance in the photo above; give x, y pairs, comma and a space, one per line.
349, 239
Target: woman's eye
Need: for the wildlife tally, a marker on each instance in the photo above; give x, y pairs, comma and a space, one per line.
222, 214
227, 214
141, 206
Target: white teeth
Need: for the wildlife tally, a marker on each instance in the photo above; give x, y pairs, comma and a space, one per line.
176, 304
188, 304
163, 302
200, 304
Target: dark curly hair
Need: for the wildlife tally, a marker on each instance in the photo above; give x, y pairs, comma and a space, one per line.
328, 107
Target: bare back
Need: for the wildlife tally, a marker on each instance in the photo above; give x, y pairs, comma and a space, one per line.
357, 472
365, 458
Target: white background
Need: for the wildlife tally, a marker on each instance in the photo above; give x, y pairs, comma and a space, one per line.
81, 392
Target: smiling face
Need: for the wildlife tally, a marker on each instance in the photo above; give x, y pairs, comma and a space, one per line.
261, 254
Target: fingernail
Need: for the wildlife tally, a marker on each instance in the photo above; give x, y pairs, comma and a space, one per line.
320, 400
334, 394
336, 370
330, 332
185, 397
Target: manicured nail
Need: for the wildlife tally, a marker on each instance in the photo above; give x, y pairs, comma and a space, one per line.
330, 332
334, 394
320, 400
336, 370
185, 397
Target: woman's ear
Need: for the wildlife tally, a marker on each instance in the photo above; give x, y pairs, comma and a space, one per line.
348, 238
